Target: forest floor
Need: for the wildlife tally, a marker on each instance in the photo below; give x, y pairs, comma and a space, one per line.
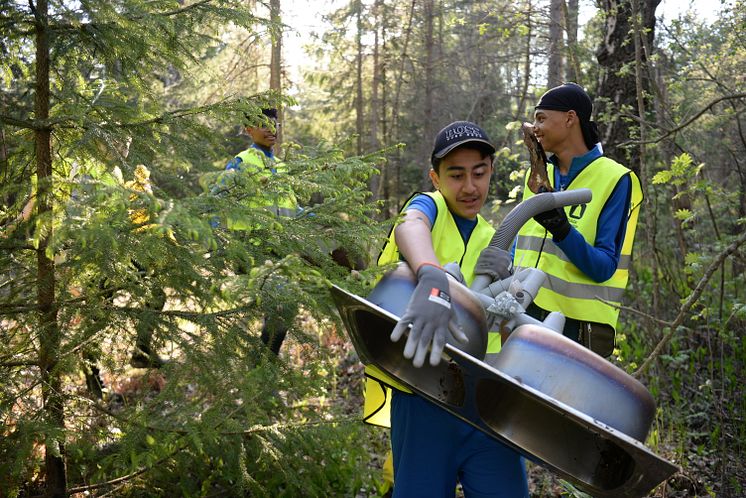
347, 400
142, 384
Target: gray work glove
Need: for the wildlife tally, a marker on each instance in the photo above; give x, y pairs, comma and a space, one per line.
454, 270
494, 262
430, 315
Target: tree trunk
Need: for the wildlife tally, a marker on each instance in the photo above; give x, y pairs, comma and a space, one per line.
570, 12
483, 96
521, 108
375, 180
738, 266
275, 65
618, 88
397, 98
359, 124
555, 72
638, 33
385, 127
427, 110
4, 169
49, 331
9, 198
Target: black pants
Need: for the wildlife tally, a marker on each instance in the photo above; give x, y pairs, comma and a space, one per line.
598, 337
279, 313
572, 326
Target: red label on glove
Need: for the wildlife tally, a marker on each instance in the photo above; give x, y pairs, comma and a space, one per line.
440, 297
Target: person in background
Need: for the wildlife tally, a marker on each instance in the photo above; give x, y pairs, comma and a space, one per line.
432, 449
259, 160
584, 250
144, 355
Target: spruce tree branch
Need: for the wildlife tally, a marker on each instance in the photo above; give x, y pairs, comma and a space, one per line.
175, 114
699, 114
159, 119
145, 468
83, 26
293, 425
247, 432
127, 477
13, 246
35, 125
48, 124
690, 302
13, 309
28, 388
176, 12
189, 315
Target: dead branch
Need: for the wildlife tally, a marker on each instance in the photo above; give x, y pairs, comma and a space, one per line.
686, 123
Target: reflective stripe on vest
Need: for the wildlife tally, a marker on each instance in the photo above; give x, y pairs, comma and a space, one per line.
566, 288
449, 247
254, 161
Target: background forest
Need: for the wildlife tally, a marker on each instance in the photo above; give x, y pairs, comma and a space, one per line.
96, 95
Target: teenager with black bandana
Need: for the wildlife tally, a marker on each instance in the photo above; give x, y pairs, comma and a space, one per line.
584, 250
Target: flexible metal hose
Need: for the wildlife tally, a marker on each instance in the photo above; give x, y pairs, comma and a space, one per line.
520, 214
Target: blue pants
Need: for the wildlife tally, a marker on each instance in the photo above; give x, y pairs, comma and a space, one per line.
433, 450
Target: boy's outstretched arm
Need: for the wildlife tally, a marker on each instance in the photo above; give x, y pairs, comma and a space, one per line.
414, 240
429, 313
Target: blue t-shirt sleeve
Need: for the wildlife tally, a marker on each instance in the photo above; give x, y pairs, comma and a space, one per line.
234, 163
219, 186
599, 261
425, 204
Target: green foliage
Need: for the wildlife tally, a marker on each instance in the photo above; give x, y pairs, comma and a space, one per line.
694, 207
222, 416
166, 84
681, 172
476, 74
110, 271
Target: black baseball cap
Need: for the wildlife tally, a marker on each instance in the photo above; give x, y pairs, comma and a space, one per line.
251, 120
457, 134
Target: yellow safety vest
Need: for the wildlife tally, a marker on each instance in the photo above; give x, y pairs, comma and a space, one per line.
283, 204
141, 183
566, 288
449, 247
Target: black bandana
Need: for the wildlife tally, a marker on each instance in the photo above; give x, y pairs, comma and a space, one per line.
572, 97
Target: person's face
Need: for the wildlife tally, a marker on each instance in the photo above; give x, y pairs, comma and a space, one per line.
264, 136
552, 128
464, 180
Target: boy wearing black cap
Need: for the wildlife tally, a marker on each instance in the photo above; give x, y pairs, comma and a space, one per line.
432, 449
584, 250
259, 159
263, 133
